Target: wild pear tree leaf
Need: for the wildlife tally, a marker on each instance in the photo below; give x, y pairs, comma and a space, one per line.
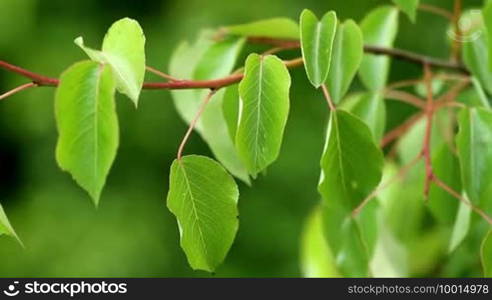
316, 257
264, 93
487, 17
5, 227
348, 49
203, 197
206, 59
379, 28
124, 50
443, 206
281, 28
473, 144
316, 44
348, 176
486, 255
87, 125
476, 52
230, 108
461, 226
409, 7
371, 108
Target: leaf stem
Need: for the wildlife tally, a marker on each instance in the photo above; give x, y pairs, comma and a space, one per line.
193, 123
436, 10
160, 74
405, 97
18, 89
426, 148
326, 93
401, 129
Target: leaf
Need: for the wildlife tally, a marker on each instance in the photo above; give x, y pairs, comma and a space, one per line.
379, 28
208, 60
461, 227
441, 204
473, 143
87, 125
316, 257
482, 97
124, 50
203, 197
349, 174
230, 107
487, 17
409, 7
476, 59
264, 93
316, 44
281, 28
5, 227
371, 108
486, 255
348, 49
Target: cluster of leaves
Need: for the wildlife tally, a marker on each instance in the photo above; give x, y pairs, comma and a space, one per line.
243, 124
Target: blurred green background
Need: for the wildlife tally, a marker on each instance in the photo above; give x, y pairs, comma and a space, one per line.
132, 234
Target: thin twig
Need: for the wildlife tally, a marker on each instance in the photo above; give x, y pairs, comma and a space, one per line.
467, 202
405, 97
161, 74
193, 123
401, 129
401, 173
456, 46
426, 147
326, 93
18, 89
436, 10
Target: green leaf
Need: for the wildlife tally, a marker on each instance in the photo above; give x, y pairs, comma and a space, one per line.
476, 59
264, 93
409, 7
6, 228
203, 197
208, 60
379, 28
461, 226
446, 167
371, 108
316, 44
230, 107
473, 143
348, 176
281, 28
486, 255
87, 125
348, 49
487, 17
124, 50
316, 257
482, 97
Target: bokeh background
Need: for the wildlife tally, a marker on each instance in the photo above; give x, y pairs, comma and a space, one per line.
132, 234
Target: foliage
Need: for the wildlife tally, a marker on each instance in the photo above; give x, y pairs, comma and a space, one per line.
440, 152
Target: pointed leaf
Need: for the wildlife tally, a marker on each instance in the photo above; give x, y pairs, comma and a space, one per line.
409, 7
349, 174
486, 255
5, 227
203, 197
124, 50
473, 143
461, 226
208, 60
281, 28
264, 93
348, 49
316, 44
379, 28
316, 257
371, 108
87, 125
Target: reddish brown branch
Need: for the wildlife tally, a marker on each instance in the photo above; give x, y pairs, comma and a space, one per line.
401, 129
